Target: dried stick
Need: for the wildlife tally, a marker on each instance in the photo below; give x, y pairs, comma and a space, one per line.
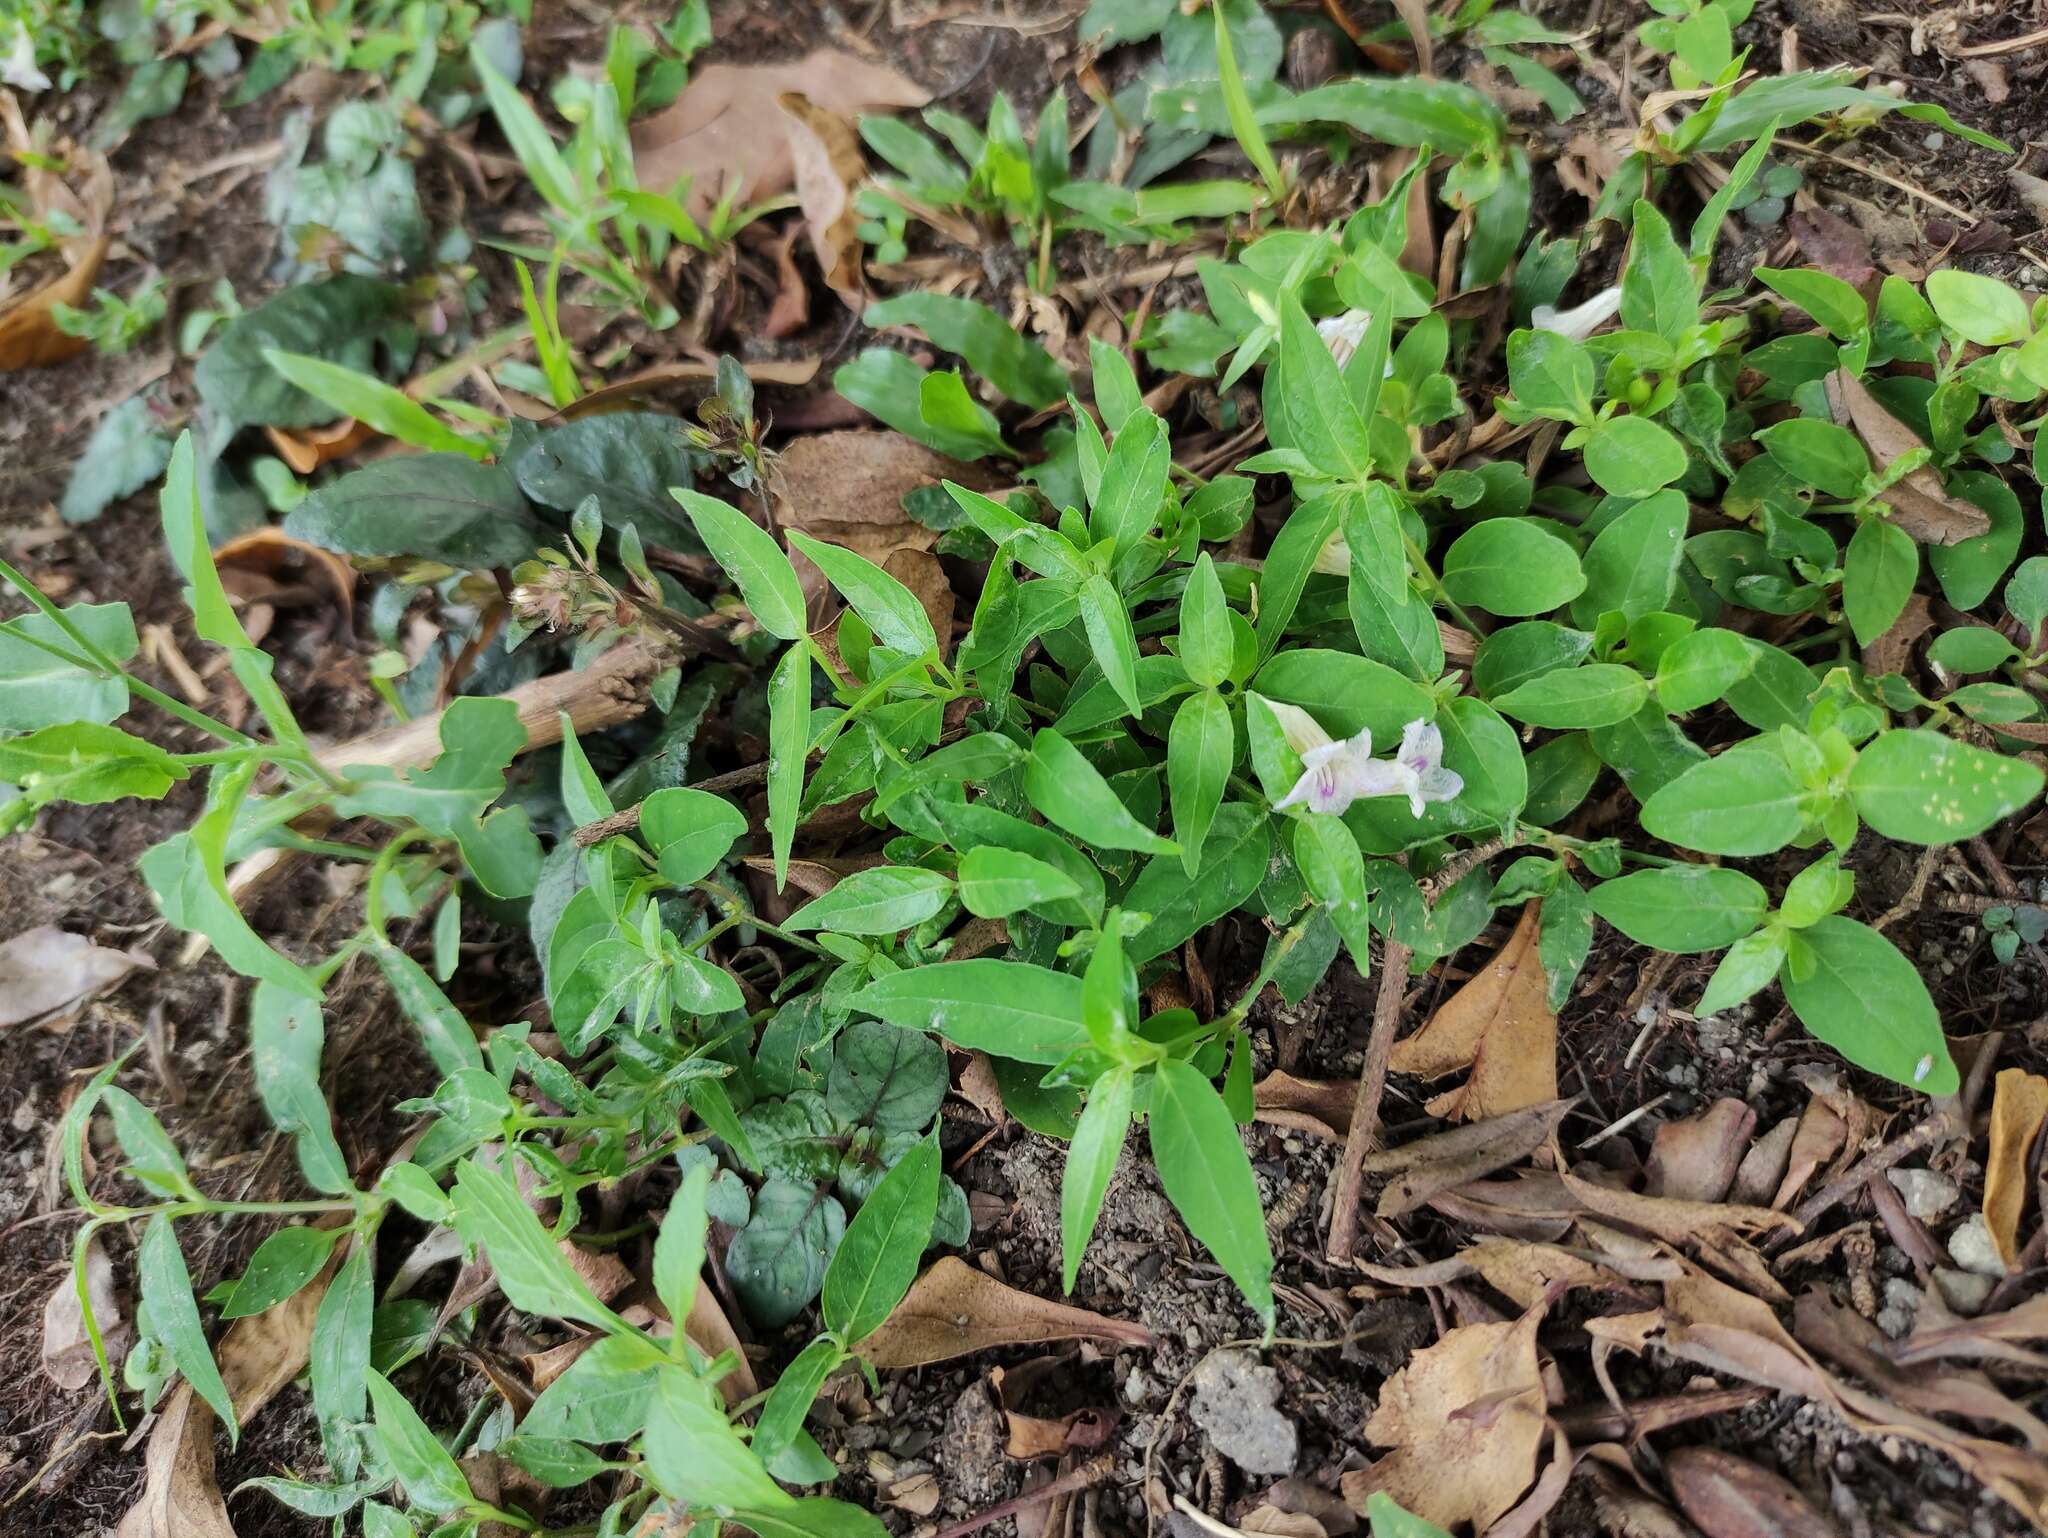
1091, 1473
1942, 1124
1365, 1109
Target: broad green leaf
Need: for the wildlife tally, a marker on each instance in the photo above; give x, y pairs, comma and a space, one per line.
782, 1416
1021, 369
789, 728
286, 1036
1630, 456
1977, 308
995, 883
1372, 523
1126, 506
690, 831
877, 1260
1346, 693
1867, 1001
1841, 311
1201, 747
885, 1078
430, 507
282, 1264
38, 689
877, 901
891, 387
1206, 646
1745, 802
1659, 289
1390, 1520
1091, 1160
1111, 638
530, 1267
583, 793
694, 1454
1921, 787
1682, 908
86, 763
603, 1395
1074, 796
1117, 395
1751, 964
1697, 669
636, 463
555, 1462
124, 454
1819, 454
337, 318
174, 1317
1202, 1164
1597, 694
1551, 374
1235, 859
679, 1247
777, 1262
753, 560
152, 1158
1308, 409
1632, 564
890, 609
433, 1481
1327, 855
1879, 571
1512, 567
1289, 563
339, 1357
1030, 1014
1448, 116
447, 1036
372, 402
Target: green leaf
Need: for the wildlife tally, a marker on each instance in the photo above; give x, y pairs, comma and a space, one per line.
1346, 693
1751, 963
679, 1247
1878, 575
1977, 308
1237, 105
282, 1264
789, 728
85, 763
1698, 668
1390, 1520
1512, 567
124, 454
890, 609
174, 1317
530, 140
1597, 694
1027, 1013
777, 1262
1632, 564
337, 319
153, 1159
531, 1269
286, 1036
690, 831
1126, 505
1373, 537
602, 1396
1630, 456
1235, 858
877, 1260
1289, 563
753, 560
448, 1038
637, 464
1075, 797
1867, 1001
555, 1462
782, 1416
695, 1456
1111, 638
995, 883
1117, 395
1921, 787
1745, 802
1207, 649
372, 402
432, 507
1202, 1165
1021, 369
1659, 289
886, 1078
339, 1357
1098, 1140
1819, 454
878, 901
1331, 865
1684, 909
433, 1481
38, 689
1307, 405
1836, 305
583, 793
1551, 374
1450, 117
1201, 747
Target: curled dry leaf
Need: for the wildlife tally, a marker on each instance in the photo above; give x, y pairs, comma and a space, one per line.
2019, 1104
1730, 1497
258, 1356
1445, 1161
1919, 503
826, 161
279, 565
47, 969
309, 448
29, 337
848, 487
1465, 1419
1695, 1159
954, 1310
68, 1358
1501, 1026
1319, 1107
717, 130
1820, 1135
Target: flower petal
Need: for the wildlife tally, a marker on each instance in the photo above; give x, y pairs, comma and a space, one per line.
1302, 731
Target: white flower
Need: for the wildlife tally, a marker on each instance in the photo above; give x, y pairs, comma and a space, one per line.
1335, 774
18, 69
1580, 321
1334, 559
1342, 334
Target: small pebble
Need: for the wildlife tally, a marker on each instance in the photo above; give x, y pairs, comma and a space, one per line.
1901, 1307
1927, 1194
1971, 1248
1964, 1291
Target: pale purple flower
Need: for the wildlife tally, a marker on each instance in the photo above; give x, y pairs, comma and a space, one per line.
1580, 321
1335, 774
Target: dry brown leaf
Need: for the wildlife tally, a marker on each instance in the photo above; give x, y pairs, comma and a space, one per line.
2019, 1104
1763, 1168
1319, 1107
827, 164
1670, 1219
47, 969
68, 1358
848, 487
307, 449
954, 1310
1919, 504
918, 1495
257, 1357
979, 1088
1445, 1161
1523, 1271
285, 562
1730, 1497
1695, 1159
1819, 1137
1500, 1025
1890, 652
1466, 1420
29, 337
922, 573
718, 131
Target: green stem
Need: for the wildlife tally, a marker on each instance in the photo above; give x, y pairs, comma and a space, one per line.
1436, 586
1289, 938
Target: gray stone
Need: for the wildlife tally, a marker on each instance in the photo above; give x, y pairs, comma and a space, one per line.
1971, 1247
1236, 1403
1963, 1291
1927, 1195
